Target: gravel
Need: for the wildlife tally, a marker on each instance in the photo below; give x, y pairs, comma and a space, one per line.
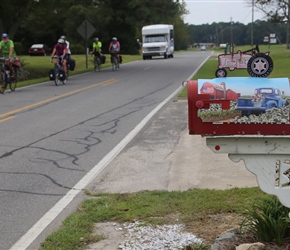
169, 237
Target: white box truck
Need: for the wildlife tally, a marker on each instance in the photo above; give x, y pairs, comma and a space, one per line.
157, 40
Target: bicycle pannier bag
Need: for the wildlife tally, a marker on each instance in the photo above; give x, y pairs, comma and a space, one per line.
103, 59
61, 75
72, 64
16, 63
121, 59
51, 74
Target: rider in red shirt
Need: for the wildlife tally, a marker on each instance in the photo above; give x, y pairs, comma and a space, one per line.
61, 51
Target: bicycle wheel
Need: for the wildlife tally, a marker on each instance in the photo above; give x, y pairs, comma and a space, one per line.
117, 64
97, 64
67, 73
13, 82
3, 82
56, 76
114, 63
63, 80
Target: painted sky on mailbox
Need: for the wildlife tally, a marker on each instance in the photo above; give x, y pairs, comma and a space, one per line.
246, 85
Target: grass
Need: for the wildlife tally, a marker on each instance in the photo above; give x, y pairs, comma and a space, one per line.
38, 66
157, 207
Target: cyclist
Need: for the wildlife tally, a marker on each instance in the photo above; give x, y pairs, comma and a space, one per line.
97, 46
97, 49
7, 48
67, 46
60, 50
115, 47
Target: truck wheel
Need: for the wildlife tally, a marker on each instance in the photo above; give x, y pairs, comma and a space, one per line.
144, 58
244, 113
260, 65
221, 73
165, 56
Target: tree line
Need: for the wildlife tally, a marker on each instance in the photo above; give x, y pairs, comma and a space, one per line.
238, 33
44, 21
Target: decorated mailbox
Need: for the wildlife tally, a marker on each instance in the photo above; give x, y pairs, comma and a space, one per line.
239, 106
247, 118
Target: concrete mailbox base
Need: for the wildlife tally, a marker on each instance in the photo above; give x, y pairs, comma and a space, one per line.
268, 157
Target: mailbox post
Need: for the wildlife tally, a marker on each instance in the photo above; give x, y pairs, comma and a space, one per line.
260, 136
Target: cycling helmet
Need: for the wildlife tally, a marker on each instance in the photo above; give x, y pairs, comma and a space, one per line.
114, 38
96, 39
63, 37
61, 41
4, 35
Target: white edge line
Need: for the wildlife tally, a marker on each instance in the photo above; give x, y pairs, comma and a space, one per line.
28, 238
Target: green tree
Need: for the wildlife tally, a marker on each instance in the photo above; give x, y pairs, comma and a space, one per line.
126, 20
180, 34
48, 19
277, 11
12, 14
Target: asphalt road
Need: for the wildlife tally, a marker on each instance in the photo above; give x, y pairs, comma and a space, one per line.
52, 137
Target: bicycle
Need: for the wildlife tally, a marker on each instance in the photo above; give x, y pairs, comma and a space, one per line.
6, 78
59, 74
67, 67
97, 61
115, 61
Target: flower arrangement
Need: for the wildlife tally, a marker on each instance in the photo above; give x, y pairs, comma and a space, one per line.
257, 100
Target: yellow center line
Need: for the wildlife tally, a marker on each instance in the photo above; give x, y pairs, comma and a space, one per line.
57, 97
107, 83
8, 118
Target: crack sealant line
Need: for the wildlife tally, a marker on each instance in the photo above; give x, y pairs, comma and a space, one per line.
27, 239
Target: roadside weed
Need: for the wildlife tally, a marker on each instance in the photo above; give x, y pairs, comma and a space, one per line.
268, 220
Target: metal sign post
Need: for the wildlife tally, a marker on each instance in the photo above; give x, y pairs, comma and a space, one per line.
86, 29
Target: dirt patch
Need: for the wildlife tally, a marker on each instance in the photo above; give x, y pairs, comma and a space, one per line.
212, 227
208, 229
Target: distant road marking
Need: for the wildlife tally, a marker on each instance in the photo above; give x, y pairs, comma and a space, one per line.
56, 97
8, 118
147, 68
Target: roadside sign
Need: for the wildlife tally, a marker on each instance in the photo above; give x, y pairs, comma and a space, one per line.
266, 39
86, 29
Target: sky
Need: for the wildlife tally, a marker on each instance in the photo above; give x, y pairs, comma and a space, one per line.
209, 11
246, 85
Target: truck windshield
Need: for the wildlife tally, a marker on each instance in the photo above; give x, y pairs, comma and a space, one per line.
266, 91
155, 39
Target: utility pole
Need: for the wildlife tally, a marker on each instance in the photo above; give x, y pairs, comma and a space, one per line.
232, 30
288, 26
252, 25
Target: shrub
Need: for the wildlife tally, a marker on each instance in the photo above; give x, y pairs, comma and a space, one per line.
22, 74
268, 220
19, 49
77, 48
